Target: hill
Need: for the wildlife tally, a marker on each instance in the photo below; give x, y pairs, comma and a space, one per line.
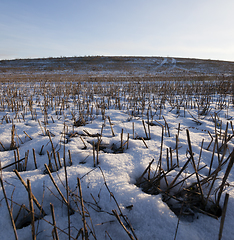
101, 67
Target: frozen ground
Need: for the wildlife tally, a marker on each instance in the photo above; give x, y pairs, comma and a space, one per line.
117, 66
110, 184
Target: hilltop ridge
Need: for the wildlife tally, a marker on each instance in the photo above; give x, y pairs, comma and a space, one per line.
115, 66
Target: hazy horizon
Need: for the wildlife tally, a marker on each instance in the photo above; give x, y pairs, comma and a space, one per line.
93, 56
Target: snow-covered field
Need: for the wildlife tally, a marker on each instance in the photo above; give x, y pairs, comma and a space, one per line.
70, 121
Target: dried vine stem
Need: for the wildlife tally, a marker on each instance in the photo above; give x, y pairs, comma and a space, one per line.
53, 150
113, 134
31, 209
11, 164
56, 186
8, 206
160, 156
61, 230
121, 223
68, 203
121, 214
194, 165
83, 212
144, 142
33, 197
34, 158
223, 215
54, 222
27, 135
229, 167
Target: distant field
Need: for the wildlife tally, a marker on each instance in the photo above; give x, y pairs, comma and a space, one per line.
114, 68
116, 148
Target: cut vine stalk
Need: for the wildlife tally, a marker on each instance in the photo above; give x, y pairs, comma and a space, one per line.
83, 212
194, 166
8, 206
31, 209
33, 197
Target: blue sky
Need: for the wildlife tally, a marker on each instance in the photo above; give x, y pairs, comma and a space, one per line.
175, 28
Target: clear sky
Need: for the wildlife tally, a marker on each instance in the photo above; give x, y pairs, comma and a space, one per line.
175, 28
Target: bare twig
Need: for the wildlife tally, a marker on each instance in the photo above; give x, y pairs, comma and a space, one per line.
53, 150
229, 167
54, 222
121, 223
8, 206
68, 203
83, 212
26, 187
57, 188
31, 208
223, 215
194, 165
27, 135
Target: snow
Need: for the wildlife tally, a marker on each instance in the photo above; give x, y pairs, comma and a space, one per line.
149, 215
98, 66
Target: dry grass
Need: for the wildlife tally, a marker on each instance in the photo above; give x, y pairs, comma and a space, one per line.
99, 68
57, 81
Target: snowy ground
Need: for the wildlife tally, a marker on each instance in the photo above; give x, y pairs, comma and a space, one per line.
116, 66
111, 184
